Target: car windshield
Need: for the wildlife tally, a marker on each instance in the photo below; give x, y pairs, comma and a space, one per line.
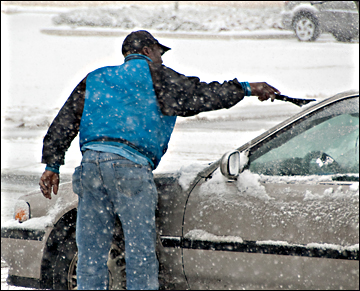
326, 143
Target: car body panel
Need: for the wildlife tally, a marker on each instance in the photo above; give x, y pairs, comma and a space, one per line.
30, 237
239, 271
298, 213
270, 218
337, 14
23, 256
282, 221
171, 201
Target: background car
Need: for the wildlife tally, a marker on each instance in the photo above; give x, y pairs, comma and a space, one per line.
310, 18
280, 212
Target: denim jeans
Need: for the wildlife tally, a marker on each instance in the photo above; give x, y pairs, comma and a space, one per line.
109, 185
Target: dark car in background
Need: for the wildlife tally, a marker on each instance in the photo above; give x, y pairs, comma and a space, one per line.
310, 18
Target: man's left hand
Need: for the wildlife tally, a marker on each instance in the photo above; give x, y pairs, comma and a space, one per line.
49, 180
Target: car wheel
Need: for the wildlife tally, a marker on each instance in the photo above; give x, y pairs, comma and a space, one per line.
343, 37
64, 269
116, 264
306, 27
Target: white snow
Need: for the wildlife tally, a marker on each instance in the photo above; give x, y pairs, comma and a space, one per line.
333, 246
188, 174
39, 222
354, 187
323, 246
272, 242
202, 235
248, 185
310, 180
198, 234
166, 18
330, 193
243, 160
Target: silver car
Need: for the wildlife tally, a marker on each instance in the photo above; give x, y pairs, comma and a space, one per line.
280, 212
309, 18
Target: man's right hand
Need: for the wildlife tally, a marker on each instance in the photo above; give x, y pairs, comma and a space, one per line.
49, 180
263, 90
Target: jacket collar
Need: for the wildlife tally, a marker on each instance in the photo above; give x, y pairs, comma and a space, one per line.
136, 56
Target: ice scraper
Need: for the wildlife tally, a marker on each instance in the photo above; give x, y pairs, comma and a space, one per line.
296, 101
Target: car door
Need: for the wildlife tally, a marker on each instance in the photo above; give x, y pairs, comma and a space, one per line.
291, 219
338, 15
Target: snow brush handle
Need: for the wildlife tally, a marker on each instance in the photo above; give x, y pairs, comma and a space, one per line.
296, 101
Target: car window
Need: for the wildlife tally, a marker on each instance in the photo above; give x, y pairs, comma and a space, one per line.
325, 143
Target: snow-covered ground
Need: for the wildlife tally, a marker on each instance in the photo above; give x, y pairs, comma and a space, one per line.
39, 71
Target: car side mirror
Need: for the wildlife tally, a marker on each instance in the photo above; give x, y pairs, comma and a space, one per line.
230, 165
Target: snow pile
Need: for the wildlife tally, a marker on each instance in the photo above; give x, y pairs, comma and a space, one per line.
338, 193
273, 242
309, 180
166, 18
248, 185
39, 222
202, 235
325, 246
215, 189
354, 187
188, 174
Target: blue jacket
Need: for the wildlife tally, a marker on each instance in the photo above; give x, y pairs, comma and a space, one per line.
121, 106
132, 107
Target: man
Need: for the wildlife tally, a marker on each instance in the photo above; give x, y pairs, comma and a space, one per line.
125, 115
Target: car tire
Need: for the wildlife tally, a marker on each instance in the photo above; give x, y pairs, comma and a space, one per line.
343, 37
63, 261
59, 253
116, 264
64, 271
306, 27
64, 268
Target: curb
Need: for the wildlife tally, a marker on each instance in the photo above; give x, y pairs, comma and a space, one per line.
118, 32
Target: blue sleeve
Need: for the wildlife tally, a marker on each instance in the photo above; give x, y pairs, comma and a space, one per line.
246, 88
53, 168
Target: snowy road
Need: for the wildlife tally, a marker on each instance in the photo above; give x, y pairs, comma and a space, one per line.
39, 71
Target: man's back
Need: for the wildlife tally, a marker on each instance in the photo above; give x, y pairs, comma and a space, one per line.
121, 105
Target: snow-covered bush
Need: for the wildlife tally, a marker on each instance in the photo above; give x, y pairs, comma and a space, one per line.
165, 18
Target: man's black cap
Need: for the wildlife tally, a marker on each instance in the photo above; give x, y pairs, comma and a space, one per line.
136, 40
